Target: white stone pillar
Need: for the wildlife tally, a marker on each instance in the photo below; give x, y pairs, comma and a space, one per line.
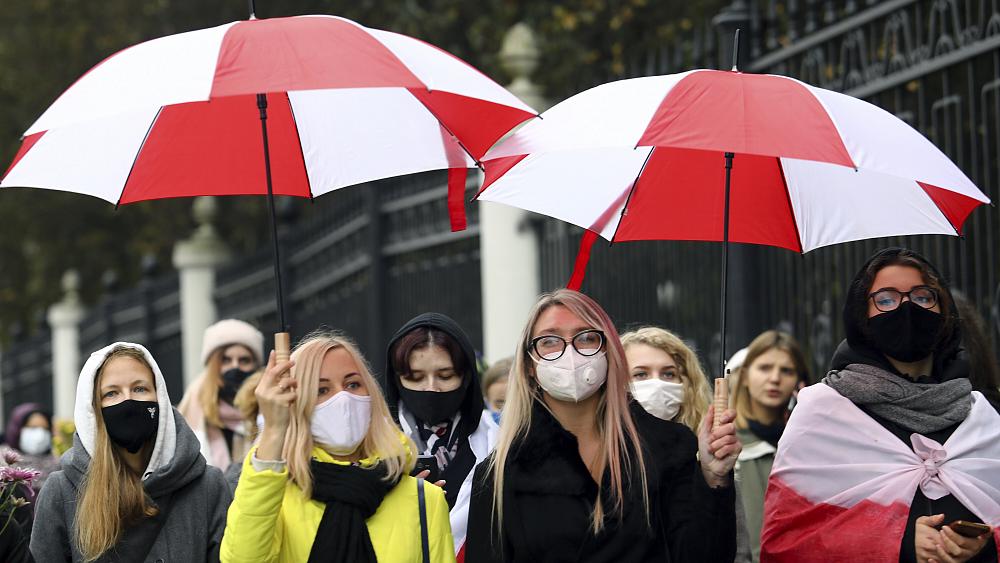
196, 259
64, 319
509, 253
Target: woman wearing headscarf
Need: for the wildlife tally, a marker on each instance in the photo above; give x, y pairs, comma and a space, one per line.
134, 486
231, 352
29, 435
882, 460
581, 472
432, 385
329, 477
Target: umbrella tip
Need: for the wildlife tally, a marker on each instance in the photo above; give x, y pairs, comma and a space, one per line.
736, 50
253, 10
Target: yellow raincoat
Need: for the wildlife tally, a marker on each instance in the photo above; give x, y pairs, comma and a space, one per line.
270, 521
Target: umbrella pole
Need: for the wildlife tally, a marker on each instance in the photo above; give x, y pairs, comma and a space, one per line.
281, 338
725, 264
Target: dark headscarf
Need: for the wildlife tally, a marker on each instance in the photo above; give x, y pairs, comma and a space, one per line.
18, 417
950, 360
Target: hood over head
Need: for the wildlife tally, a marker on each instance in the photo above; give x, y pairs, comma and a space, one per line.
18, 417
86, 419
472, 404
949, 360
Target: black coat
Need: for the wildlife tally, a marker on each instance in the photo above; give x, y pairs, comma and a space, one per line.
549, 495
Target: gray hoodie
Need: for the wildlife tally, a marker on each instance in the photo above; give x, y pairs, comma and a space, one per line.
191, 496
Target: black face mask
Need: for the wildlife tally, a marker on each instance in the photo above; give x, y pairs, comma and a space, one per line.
907, 333
130, 424
432, 407
232, 380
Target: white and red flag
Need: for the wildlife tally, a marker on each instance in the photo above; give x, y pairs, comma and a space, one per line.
841, 485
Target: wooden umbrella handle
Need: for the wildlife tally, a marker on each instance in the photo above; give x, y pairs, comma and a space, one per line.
721, 400
282, 346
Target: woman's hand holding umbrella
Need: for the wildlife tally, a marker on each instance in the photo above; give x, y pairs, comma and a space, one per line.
275, 394
718, 447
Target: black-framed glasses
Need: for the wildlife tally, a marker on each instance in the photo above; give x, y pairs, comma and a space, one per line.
551, 347
886, 300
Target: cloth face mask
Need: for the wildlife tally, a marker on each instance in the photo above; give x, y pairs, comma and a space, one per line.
907, 333
131, 423
35, 440
661, 399
232, 380
341, 422
573, 377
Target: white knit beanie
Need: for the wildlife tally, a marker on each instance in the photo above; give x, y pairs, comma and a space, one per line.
232, 331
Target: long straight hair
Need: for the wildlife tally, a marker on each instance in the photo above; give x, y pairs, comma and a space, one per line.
384, 440
765, 342
208, 394
112, 497
696, 391
615, 426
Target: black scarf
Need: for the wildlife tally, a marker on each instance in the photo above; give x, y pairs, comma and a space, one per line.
770, 433
352, 495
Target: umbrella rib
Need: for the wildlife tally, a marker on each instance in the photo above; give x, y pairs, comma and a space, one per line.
453, 136
630, 192
295, 126
791, 210
152, 122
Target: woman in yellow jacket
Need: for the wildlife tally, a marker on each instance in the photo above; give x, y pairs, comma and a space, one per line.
329, 479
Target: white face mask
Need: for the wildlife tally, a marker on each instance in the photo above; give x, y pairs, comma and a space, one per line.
661, 399
35, 440
341, 422
573, 377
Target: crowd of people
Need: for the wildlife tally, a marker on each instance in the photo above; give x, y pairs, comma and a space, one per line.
585, 445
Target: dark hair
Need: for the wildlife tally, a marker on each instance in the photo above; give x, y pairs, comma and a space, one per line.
425, 337
984, 373
857, 302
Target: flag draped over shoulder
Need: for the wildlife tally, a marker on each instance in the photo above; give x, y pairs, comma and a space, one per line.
841, 485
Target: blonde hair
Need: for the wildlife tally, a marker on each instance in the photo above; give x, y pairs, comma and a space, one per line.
208, 395
615, 426
765, 342
696, 390
246, 403
112, 496
396, 452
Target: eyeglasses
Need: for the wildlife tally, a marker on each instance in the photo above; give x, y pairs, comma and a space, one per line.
551, 347
886, 300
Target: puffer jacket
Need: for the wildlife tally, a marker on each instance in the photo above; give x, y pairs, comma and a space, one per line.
270, 521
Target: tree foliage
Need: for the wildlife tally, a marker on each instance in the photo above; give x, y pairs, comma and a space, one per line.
46, 44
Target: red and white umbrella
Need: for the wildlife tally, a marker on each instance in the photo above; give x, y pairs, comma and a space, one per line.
646, 159
184, 115
177, 116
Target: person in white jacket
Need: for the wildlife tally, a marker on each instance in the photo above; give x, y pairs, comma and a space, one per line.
432, 384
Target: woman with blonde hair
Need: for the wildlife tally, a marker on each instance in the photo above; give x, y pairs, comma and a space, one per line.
134, 486
668, 381
581, 473
667, 378
773, 369
329, 479
232, 350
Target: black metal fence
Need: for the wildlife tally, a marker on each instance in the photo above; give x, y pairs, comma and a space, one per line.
933, 63
365, 259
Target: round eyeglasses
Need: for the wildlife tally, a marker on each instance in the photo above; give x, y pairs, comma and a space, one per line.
551, 347
886, 300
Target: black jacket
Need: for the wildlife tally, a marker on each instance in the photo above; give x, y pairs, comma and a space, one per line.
549, 495
950, 362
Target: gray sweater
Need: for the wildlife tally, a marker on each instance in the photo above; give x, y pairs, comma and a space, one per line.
192, 498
